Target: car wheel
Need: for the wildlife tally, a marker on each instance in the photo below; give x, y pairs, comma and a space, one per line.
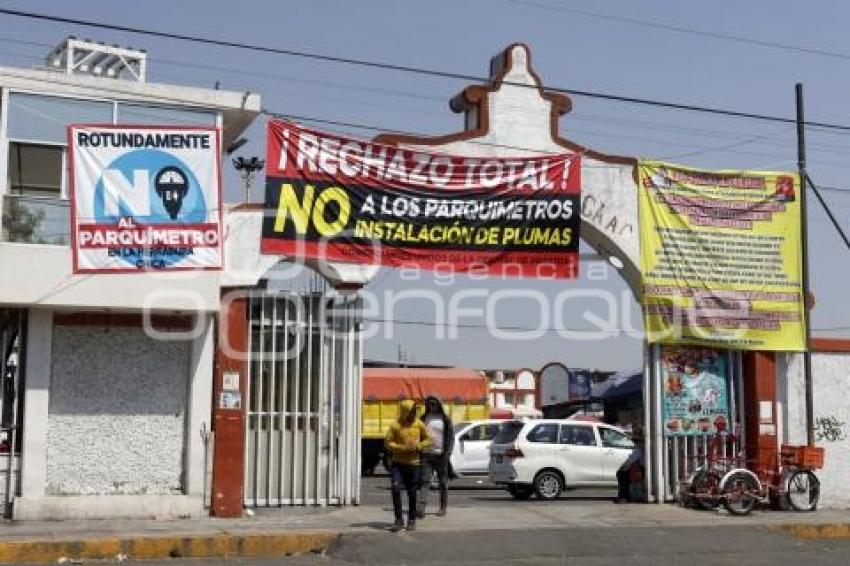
548, 485
521, 492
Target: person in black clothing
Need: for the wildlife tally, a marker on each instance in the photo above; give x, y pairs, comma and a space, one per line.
636, 459
435, 458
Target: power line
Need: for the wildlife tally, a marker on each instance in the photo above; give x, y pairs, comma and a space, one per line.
344, 124
376, 128
619, 121
410, 69
509, 328
689, 31
723, 147
834, 189
520, 328
642, 124
700, 149
828, 212
368, 127
338, 123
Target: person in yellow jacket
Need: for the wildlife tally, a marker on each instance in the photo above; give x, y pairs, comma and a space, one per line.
406, 438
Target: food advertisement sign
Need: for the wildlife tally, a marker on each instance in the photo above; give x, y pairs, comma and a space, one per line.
145, 198
721, 259
334, 198
696, 398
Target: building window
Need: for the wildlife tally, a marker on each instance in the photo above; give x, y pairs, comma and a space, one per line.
35, 209
35, 118
138, 114
36, 170
38, 132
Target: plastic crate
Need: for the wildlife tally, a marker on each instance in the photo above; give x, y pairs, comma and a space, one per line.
809, 457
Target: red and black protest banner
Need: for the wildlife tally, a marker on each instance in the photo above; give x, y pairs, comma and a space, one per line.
341, 199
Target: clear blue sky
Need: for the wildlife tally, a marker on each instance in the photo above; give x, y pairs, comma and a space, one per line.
569, 50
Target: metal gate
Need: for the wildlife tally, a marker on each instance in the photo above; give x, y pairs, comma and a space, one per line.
12, 342
303, 400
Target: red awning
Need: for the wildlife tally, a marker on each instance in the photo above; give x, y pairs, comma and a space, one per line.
504, 414
449, 384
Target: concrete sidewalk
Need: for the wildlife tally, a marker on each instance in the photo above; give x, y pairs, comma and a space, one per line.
288, 531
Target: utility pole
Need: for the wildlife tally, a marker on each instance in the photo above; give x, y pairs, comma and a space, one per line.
804, 241
247, 168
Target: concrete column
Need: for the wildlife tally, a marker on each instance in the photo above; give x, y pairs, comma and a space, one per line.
199, 404
760, 409
39, 347
229, 423
659, 445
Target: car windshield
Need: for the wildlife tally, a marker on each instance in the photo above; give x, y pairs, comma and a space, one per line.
508, 431
615, 439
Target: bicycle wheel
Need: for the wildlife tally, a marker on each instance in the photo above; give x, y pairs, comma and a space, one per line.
704, 491
803, 490
740, 493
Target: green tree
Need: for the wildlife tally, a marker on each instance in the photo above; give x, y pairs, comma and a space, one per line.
21, 224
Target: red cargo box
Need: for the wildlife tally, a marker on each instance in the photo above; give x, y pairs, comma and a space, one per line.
809, 457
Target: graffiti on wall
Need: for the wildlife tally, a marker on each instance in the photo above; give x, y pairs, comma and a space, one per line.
829, 429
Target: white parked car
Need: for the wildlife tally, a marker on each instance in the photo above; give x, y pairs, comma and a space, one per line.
471, 453
544, 457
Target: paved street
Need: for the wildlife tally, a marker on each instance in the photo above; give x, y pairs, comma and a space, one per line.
474, 492
535, 545
651, 546
484, 526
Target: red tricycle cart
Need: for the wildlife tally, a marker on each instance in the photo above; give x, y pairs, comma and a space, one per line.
727, 481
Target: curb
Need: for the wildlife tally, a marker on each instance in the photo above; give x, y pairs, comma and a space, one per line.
816, 531
209, 546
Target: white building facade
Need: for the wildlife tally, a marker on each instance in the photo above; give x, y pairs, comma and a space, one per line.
831, 388
111, 421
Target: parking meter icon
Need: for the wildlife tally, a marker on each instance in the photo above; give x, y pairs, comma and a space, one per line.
171, 185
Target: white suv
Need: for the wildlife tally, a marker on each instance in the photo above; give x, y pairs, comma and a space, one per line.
471, 454
544, 457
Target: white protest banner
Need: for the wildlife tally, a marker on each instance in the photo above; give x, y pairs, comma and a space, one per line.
145, 198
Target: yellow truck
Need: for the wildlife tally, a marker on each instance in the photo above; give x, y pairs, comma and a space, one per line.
463, 393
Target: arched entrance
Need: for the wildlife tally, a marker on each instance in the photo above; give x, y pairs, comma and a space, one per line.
511, 116
514, 116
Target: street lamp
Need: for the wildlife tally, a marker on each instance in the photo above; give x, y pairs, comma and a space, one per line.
247, 167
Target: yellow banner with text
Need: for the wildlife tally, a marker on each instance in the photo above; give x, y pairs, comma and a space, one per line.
721, 257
